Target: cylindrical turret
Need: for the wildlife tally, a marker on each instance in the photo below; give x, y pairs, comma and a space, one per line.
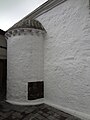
25, 63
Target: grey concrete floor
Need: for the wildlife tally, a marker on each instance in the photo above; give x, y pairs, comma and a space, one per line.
37, 112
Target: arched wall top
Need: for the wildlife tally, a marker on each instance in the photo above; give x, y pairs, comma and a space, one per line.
29, 24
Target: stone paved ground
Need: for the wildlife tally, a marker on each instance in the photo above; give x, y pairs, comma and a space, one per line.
37, 112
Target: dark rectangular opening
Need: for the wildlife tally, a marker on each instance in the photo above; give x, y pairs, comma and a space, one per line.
35, 90
3, 78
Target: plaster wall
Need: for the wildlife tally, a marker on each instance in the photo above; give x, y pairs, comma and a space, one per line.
24, 64
67, 55
3, 52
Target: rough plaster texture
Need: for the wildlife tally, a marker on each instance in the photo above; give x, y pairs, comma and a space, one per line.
25, 61
67, 55
3, 52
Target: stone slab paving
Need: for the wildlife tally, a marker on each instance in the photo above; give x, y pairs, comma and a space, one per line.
37, 112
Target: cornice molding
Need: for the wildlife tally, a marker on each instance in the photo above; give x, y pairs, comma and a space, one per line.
24, 31
50, 4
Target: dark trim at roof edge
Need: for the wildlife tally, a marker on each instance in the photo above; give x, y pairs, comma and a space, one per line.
3, 47
50, 4
2, 32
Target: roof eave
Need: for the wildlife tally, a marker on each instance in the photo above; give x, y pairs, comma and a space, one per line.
50, 4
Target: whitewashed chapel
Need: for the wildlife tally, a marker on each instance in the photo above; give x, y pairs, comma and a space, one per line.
48, 57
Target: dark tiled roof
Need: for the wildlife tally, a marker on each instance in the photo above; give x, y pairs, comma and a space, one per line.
29, 24
2, 32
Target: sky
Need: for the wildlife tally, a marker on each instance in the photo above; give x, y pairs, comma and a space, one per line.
11, 11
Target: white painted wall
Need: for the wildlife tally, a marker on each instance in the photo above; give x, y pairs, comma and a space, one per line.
3, 52
67, 55
25, 61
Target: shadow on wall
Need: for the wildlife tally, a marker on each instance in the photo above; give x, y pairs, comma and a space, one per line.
3, 65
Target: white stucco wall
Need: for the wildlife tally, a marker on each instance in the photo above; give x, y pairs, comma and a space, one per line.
24, 64
67, 55
3, 52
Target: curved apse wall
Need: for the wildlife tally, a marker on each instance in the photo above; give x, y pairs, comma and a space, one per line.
25, 59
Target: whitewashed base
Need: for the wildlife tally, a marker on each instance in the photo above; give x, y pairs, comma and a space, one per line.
31, 102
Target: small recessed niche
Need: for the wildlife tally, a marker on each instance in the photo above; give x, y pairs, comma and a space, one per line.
35, 90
